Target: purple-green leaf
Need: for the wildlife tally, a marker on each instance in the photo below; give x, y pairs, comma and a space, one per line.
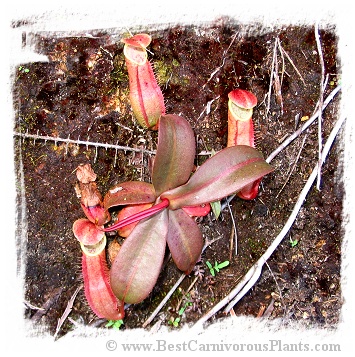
225, 173
129, 193
175, 155
137, 265
184, 240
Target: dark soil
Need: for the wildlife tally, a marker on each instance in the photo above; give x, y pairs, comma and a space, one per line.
82, 93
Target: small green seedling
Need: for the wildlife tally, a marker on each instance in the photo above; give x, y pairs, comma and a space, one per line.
217, 266
115, 324
23, 69
293, 242
182, 309
216, 208
175, 322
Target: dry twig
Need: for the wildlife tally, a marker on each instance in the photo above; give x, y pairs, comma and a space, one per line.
277, 83
80, 142
186, 292
292, 137
293, 166
278, 287
235, 234
206, 109
67, 311
293, 65
321, 94
231, 240
32, 307
274, 74
272, 71
47, 305
223, 60
86, 143
164, 301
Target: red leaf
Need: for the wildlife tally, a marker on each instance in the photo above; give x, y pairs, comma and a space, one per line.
175, 155
225, 173
184, 240
128, 193
137, 265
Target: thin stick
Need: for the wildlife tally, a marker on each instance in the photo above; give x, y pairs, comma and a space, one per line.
277, 83
223, 60
164, 301
67, 311
283, 60
231, 240
234, 228
81, 142
47, 305
293, 65
254, 272
207, 108
191, 285
321, 94
271, 76
278, 287
185, 294
292, 137
33, 307
293, 166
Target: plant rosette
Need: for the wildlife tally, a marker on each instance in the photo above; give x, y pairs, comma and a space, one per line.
175, 195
